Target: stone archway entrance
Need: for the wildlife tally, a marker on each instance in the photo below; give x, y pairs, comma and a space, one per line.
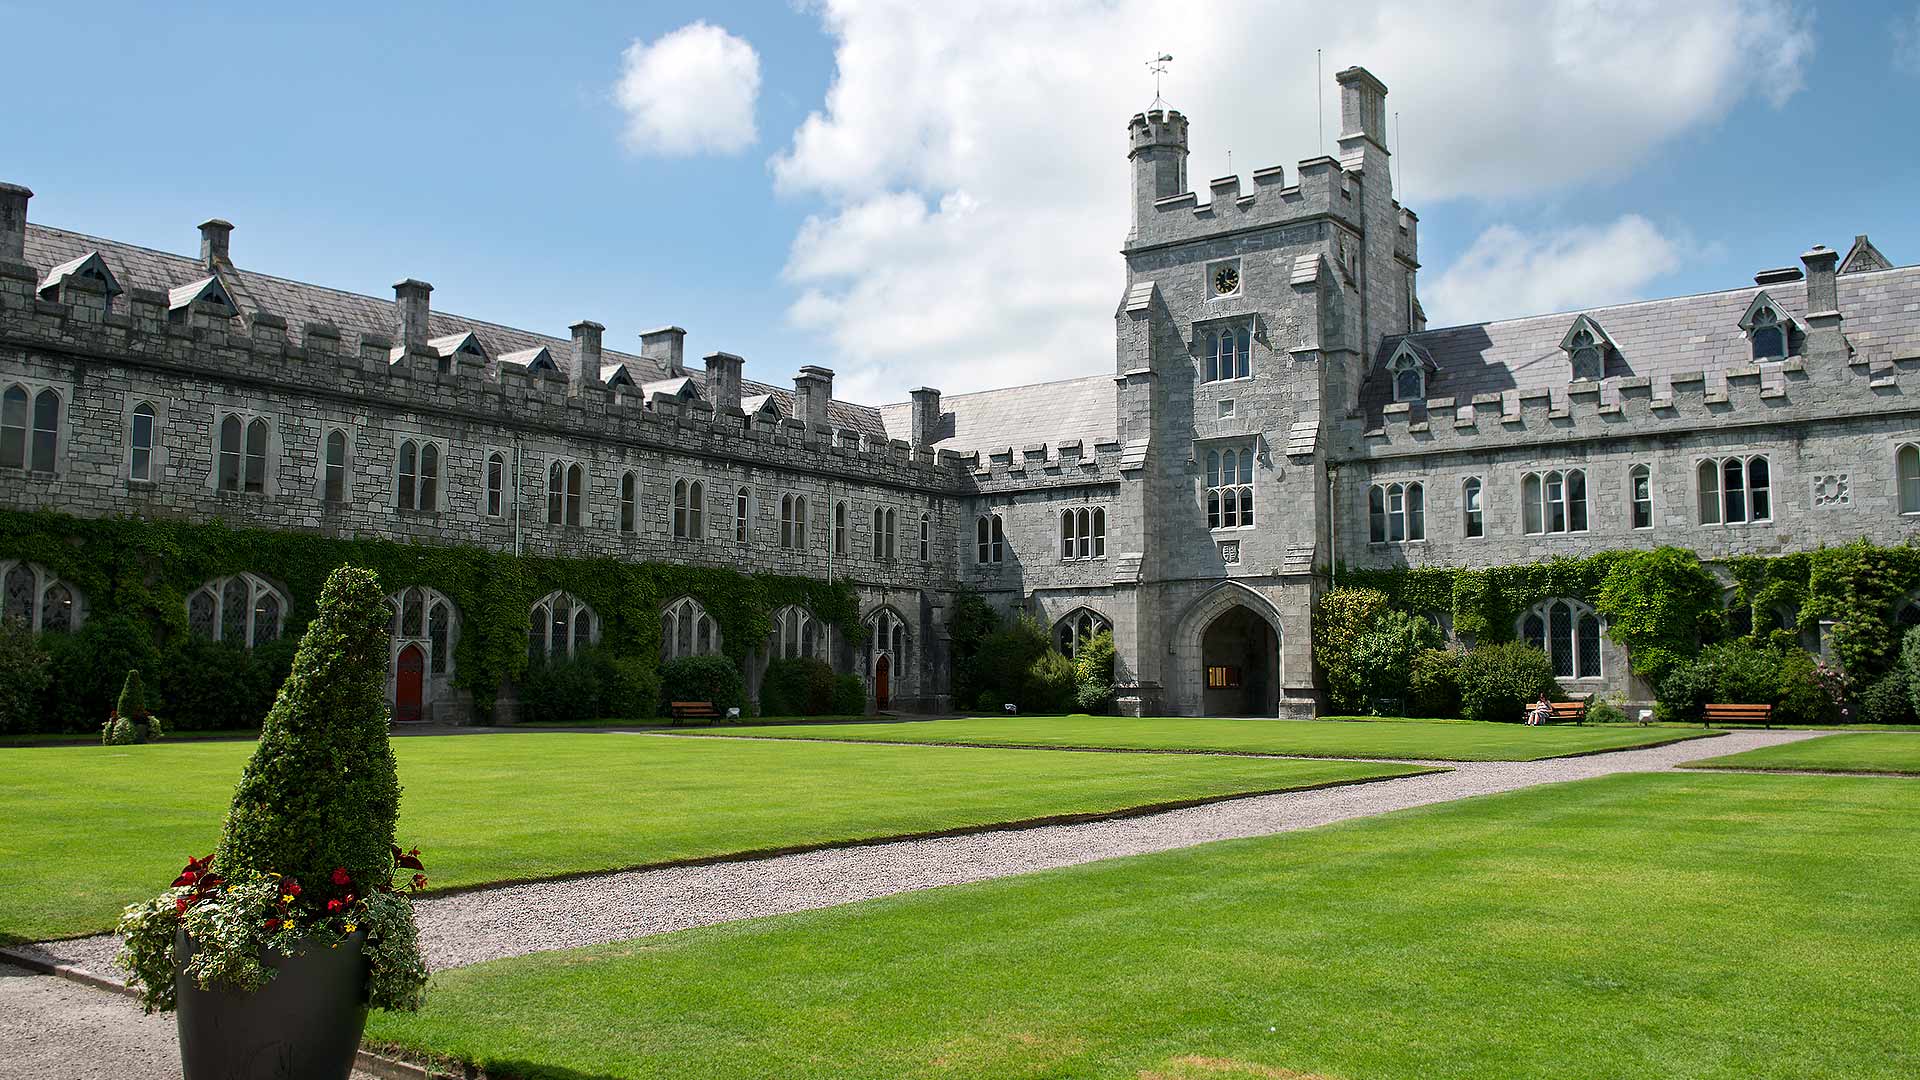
1239, 657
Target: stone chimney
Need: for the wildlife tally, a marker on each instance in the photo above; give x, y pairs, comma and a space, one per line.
1363, 106
812, 389
723, 381
13, 223
584, 366
668, 345
1825, 344
215, 237
410, 313
926, 417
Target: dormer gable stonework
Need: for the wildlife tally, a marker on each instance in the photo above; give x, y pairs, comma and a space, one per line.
1589, 348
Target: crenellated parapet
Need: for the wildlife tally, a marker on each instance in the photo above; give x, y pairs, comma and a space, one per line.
206, 341
1044, 466
1687, 403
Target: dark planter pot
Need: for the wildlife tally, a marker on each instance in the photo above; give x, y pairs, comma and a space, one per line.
304, 1024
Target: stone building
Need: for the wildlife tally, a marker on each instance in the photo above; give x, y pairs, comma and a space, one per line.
1277, 405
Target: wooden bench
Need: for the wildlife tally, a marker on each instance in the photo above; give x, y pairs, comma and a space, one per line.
1559, 712
693, 710
1740, 714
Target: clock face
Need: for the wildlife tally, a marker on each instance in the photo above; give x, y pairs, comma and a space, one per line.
1226, 281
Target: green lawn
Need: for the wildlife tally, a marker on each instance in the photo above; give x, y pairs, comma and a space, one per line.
1883, 752
1706, 926
90, 829
1450, 740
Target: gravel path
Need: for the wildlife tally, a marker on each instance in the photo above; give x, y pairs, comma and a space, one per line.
466, 928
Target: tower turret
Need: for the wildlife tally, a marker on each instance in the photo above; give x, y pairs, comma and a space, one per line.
1159, 155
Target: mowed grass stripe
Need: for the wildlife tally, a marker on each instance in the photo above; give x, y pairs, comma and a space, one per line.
1706, 926
91, 829
1438, 740
1889, 752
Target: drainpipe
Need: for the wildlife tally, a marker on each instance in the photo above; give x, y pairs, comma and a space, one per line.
516, 496
1333, 519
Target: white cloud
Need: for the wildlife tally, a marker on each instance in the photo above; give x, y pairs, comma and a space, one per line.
1906, 42
972, 157
1508, 272
688, 92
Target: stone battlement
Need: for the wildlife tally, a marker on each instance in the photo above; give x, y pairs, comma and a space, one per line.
261, 350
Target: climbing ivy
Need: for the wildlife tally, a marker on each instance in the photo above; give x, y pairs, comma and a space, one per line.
137, 574
1661, 604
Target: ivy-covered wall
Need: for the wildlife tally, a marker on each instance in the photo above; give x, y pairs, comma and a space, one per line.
135, 576
1661, 604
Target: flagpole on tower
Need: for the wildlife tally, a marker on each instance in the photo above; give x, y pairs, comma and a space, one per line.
1158, 65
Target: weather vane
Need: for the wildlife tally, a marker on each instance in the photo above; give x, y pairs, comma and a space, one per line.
1158, 65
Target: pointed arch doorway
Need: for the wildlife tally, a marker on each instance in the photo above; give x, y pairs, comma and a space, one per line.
883, 681
409, 670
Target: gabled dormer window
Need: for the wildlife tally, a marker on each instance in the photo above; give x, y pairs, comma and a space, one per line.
1769, 330
207, 293
1408, 368
90, 267
1586, 346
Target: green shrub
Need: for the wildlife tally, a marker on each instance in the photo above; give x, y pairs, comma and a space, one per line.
1887, 701
1603, 711
1004, 666
1093, 698
131, 722
1745, 672
565, 689
798, 686
1684, 694
24, 674
1807, 691
849, 696
1910, 663
1433, 688
1659, 604
1340, 619
702, 678
1094, 662
1499, 682
632, 686
973, 620
87, 665
212, 685
1051, 685
321, 790
1382, 659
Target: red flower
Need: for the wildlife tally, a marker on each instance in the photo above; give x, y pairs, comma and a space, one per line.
340, 876
419, 881
290, 887
333, 905
273, 924
189, 877
180, 906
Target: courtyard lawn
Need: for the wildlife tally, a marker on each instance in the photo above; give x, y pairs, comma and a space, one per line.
88, 830
1449, 740
1869, 752
1707, 926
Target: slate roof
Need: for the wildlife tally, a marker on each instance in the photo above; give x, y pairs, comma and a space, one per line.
1052, 413
351, 313
1654, 338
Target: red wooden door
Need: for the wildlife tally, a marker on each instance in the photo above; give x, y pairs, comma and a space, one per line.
882, 690
406, 689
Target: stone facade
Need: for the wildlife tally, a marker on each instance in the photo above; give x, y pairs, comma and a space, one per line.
1273, 377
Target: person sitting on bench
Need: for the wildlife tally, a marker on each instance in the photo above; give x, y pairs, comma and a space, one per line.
1541, 712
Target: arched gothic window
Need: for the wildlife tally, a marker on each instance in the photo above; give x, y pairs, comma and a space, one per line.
1409, 378
1083, 533
1396, 512
560, 625
1229, 489
243, 454
29, 436
256, 464
742, 515
887, 634
1553, 502
496, 484
797, 633
140, 438
13, 427
38, 600
333, 467
629, 501
1734, 490
841, 545
687, 630
1079, 627
1569, 632
1588, 355
689, 510
1640, 497
244, 610
1228, 354
1471, 510
926, 536
990, 539
793, 522
417, 476
883, 533
426, 618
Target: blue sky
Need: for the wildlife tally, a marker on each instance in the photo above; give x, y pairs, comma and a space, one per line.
953, 216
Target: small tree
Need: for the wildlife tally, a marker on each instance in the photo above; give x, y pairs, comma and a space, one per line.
321, 791
131, 722
24, 672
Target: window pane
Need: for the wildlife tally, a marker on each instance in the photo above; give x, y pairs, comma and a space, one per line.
201, 613
582, 628
1707, 478
230, 453
1213, 468
1470, 494
1066, 534
1213, 358
46, 429
1213, 509
257, 456
1589, 646
1416, 512
1641, 482
403, 488
235, 605
557, 631
1734, 490
1556, 503
429, 477
537, 633
1533, 630
576, 484
1577, 500
496, 481
1099, 533
556, 491
141, 467
1531, 519
1396, 512
437, 633
1759, 489
266, 618
1909, 470
1244, 366
56, 609
1560, 623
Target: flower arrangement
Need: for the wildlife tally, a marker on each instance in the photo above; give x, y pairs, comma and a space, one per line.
307, 858
233, 921
129, 721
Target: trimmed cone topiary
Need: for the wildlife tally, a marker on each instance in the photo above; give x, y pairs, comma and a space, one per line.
307, 859
321, 790
131, 722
